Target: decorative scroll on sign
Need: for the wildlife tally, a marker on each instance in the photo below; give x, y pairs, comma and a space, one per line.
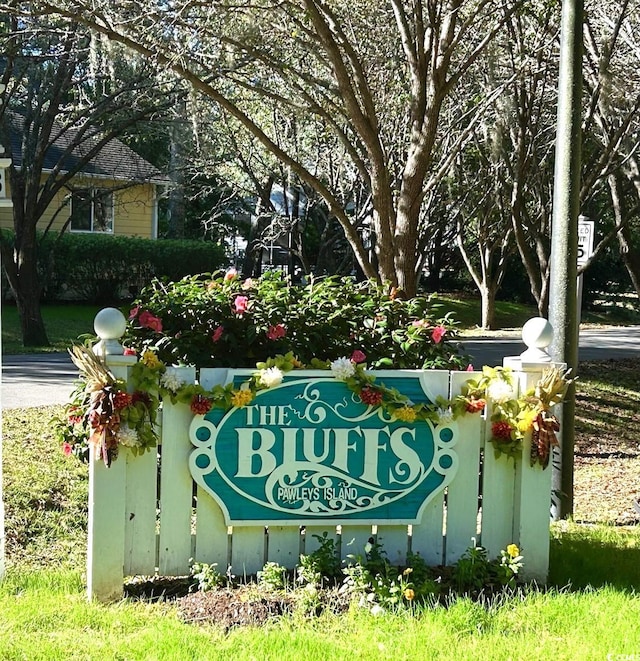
310, 451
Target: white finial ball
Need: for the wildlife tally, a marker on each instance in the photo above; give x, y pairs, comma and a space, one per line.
537, 332
110, 324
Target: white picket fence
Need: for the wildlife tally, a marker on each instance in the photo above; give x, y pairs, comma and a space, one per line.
146, 517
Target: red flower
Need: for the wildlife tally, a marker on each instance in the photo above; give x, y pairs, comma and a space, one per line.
148, 320
217, 333
121, 400
139, 396
276, 332
129, 352
474, 405
438, 333
241, 303
67, 448
371, 396
501, 430
358, 356
200, 405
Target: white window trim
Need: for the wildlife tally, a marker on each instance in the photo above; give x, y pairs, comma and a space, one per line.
92, 190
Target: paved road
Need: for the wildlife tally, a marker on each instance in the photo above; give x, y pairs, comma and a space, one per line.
42, 379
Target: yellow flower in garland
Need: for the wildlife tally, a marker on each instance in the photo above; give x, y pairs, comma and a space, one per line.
241, 398
150, 360
526, 418
405, 413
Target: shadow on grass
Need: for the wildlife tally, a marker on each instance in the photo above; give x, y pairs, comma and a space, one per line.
583, 556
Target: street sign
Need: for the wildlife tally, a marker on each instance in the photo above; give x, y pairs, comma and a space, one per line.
585, 239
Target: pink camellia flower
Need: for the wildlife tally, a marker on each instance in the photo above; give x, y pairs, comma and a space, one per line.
231, 274
419, 323
128, 351
358, 356
67, 449
438, 333
217, 333
241, 303
469, 367
148, 320
247, 284
133, 313
276, 332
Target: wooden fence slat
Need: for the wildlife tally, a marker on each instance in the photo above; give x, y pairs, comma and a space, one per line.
394, 541
211, 532
247, 550
498, 485
427, 537
463, 492
532, 516
311, 543
176, 486
140, 514
105, 550
284, 545
354, 540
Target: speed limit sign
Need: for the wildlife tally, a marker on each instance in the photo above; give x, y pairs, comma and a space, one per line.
585, 239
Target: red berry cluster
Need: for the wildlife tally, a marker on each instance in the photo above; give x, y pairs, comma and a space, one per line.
200, 405
371, 396
502, 430
475, 405
121, 400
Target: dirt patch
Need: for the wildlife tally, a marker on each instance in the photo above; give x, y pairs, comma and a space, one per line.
607, 443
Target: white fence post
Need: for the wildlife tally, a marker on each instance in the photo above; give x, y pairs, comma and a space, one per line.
532, 494
107, 486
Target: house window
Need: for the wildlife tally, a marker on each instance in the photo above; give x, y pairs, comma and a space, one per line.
92, 210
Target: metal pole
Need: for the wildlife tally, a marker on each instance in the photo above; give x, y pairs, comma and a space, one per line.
563, 313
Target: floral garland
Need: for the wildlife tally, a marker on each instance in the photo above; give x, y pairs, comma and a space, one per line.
512, 417
103, 415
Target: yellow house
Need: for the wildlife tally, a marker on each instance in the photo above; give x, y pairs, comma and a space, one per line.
114, 192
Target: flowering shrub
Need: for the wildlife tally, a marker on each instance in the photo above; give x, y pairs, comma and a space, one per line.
225, 321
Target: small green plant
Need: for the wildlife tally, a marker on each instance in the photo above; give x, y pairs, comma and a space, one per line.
272, 577
207, 576
379, 586
322, 565
471, 572
474, 571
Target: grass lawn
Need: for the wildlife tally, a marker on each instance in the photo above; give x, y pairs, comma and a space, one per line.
590, 609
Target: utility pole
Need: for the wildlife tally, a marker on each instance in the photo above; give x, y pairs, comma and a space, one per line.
563, 311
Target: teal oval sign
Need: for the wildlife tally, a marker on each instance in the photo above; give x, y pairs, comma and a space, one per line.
311, 450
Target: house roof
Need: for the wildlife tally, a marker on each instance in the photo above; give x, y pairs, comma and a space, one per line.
114, 161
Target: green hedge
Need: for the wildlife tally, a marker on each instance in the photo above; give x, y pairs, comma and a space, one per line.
103, 269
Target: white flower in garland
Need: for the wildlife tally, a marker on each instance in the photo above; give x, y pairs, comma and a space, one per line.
445, 416
500, 391
271, 377
171, 381
343, 368
127, 437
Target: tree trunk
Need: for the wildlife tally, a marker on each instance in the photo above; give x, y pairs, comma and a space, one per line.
488, 298
24, 283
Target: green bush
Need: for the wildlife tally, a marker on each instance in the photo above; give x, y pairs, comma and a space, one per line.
101, 269
224, 321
